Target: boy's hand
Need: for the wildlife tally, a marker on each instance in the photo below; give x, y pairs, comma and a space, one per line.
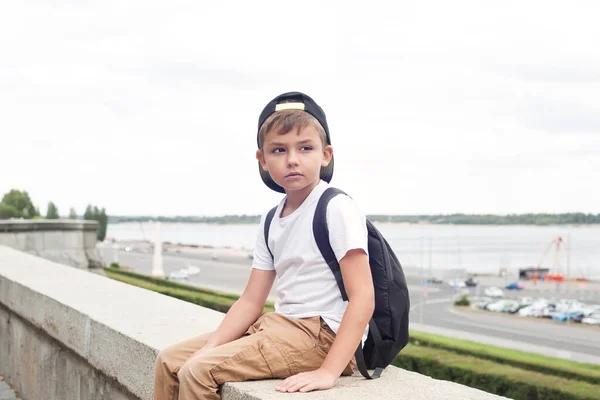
319, 379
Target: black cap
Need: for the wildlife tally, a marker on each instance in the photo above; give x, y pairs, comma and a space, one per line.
294, 101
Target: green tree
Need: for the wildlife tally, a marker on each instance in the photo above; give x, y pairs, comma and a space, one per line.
88, 214
72, 213
95, 214
103, 221
7, 212
52, 212
21, 202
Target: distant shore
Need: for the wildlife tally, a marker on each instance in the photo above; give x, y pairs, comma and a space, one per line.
576, 219
180, 248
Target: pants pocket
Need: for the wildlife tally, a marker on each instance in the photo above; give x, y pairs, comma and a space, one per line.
261, 360
311, 356
310, 359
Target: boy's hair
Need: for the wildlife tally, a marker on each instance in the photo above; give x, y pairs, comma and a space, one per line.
286, 121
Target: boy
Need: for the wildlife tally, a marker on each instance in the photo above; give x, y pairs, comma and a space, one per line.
311, 337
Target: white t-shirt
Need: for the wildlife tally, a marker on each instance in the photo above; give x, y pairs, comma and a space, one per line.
305, 285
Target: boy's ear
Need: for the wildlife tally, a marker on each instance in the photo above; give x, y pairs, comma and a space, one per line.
327, 155
260, 156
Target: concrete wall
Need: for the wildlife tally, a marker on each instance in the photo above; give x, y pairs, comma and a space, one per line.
68, 334
70, 242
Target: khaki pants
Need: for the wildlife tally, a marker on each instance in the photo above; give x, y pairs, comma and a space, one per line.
274, 347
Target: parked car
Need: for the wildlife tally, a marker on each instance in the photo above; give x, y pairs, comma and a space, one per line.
578, 318
562, 317
190, 271
495, 306
549, 311
456, 283
493, 292
515, 286
506, 306
593, 319
536, 311
568, 305
471, 282
481, 302
178, 275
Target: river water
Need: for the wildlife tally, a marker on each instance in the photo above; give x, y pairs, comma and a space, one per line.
439, 247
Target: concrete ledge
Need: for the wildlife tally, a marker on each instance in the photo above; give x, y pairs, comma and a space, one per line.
394, 383
37, 225
116, 330
70, 242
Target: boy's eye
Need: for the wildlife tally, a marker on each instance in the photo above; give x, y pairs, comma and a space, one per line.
306, 148
278, 150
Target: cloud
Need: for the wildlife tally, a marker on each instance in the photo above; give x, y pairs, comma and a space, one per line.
555, 72
559, 116
183, 73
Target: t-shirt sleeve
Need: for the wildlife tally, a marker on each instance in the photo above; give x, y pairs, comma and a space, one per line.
347, 226
262, 256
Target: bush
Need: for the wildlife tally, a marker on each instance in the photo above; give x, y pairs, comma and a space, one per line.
529, 361
463, 301
503, 380
114, 265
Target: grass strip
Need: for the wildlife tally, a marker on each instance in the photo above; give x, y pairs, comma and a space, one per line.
206, 298
502, 379
530, 361
169, 283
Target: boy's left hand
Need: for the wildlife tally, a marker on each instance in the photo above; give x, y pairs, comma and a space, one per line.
319, 379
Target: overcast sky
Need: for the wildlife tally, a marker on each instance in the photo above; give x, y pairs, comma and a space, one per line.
150, 108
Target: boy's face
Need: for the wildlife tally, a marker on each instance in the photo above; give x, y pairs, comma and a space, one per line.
294, 159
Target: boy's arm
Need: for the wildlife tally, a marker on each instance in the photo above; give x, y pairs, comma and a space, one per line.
358, 282
245, 311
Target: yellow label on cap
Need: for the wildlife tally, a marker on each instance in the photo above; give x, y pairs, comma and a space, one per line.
289, 106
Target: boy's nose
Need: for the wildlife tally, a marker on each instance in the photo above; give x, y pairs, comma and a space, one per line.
292, 159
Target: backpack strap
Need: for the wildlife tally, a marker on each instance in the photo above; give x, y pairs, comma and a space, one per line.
321, 233
268, 221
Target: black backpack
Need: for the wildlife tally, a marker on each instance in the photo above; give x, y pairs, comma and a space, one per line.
388, 328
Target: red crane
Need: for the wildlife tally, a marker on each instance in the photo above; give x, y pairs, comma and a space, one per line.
556, 274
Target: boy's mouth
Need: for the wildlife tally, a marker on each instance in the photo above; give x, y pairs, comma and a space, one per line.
293, 174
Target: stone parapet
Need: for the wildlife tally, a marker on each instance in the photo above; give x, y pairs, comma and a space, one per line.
70, 242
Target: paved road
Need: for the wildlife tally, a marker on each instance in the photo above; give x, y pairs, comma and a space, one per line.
228, 274
573, 341
433, 313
